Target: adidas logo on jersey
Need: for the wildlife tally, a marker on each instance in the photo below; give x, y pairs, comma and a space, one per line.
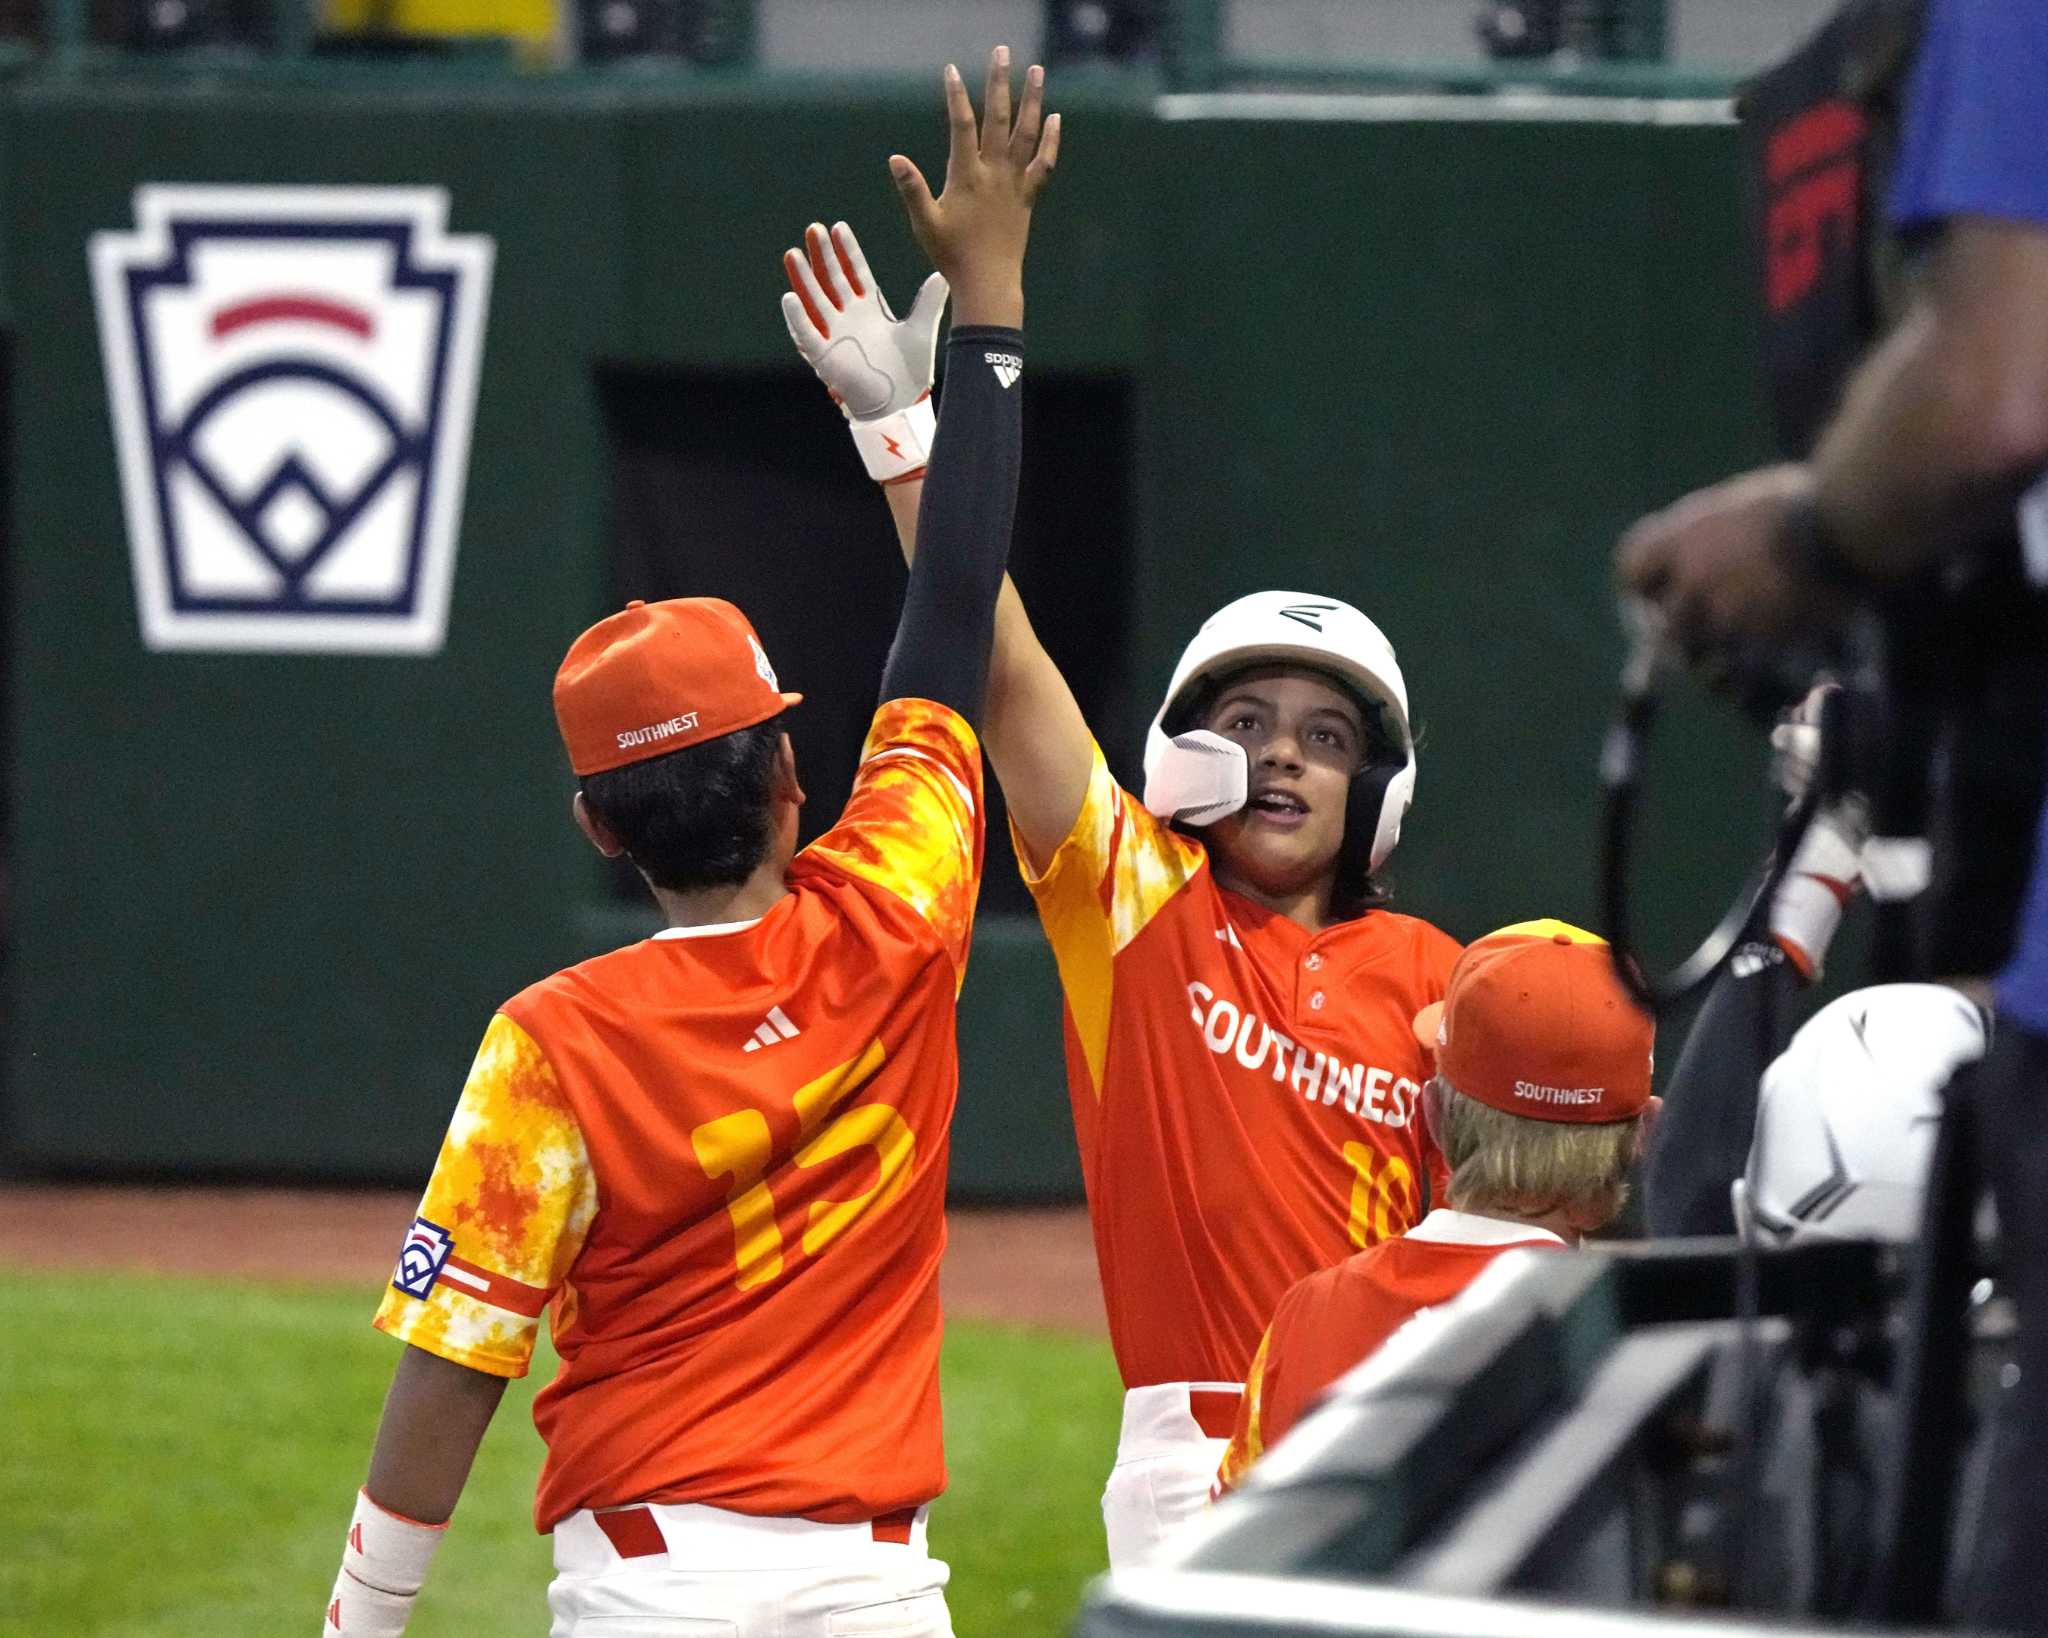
772, 1031
1008, 367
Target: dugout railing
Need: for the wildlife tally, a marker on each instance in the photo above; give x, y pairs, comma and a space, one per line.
1652, 1438
1185, 1604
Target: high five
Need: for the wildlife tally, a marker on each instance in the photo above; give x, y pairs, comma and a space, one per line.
1243, 1074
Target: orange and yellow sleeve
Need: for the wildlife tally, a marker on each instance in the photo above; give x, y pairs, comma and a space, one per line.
504, 1215
1115, 871
1247, 1439
913, 825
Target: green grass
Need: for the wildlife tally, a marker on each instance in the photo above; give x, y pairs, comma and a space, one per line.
178, 1458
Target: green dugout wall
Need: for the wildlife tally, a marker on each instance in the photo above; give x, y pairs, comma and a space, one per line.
1427, 354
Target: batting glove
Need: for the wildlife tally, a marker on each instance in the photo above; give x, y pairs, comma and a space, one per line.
1827, 869
1795, 743
878, 367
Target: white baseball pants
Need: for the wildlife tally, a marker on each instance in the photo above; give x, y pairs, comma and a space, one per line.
679, 1571
1173, 1439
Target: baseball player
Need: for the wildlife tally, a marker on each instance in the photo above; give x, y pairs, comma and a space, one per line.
1243, 1074
718, 1156
1541, 1105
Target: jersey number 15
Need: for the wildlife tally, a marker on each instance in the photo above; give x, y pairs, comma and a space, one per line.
740, 1146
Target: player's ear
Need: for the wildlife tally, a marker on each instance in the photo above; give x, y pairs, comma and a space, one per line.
786, 784
1432, 1113
1646, 1123
595, 828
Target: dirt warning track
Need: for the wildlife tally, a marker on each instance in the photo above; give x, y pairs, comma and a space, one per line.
1023, 1267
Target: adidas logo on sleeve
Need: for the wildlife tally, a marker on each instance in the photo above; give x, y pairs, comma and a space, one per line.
1008, 367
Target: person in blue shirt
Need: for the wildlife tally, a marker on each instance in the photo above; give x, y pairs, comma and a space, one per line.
1944, 427
1940, 441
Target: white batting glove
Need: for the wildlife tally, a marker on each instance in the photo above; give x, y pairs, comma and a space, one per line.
1827, 871
878, 367
1795, 743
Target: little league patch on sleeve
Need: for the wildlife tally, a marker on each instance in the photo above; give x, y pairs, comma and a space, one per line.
422, 1257
291, 373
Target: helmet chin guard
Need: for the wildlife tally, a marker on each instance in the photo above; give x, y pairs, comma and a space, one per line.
1195, 777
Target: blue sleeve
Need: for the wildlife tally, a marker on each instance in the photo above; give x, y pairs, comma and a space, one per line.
1975, 135
2023, 986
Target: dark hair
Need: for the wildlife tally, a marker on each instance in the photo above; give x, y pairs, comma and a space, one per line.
1356, 889
697, 817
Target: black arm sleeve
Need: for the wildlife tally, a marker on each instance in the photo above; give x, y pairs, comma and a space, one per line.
963, 526
1701, 1144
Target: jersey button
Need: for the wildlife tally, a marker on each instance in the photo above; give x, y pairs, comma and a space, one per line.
1314, 962
1315, 1002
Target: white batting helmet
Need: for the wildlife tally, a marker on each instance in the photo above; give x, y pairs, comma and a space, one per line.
1197, 777
1846, 1117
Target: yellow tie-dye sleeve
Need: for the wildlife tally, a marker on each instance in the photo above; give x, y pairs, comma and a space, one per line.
514, 1194
1247, 1439
913, 825
1117, 869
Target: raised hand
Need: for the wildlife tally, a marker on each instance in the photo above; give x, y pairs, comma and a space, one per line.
975, 231
873, 363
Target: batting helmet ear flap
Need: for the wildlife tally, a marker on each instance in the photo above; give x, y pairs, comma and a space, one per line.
1373, 807
1379, 800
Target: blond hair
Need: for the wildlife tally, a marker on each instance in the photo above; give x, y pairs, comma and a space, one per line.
1531, 1168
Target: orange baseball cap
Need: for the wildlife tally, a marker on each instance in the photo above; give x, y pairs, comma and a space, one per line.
657, 677
1535, 1022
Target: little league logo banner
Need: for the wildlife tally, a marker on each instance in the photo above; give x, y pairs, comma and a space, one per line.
292, 374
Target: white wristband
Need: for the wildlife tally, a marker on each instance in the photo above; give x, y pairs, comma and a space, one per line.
383, 1567
896, 447
1817, 888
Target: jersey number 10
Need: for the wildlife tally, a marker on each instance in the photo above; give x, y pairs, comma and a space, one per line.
1376, 1180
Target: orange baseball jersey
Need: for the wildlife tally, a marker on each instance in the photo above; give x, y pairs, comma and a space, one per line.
1337, 1316
1246, 1093
719, 1155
